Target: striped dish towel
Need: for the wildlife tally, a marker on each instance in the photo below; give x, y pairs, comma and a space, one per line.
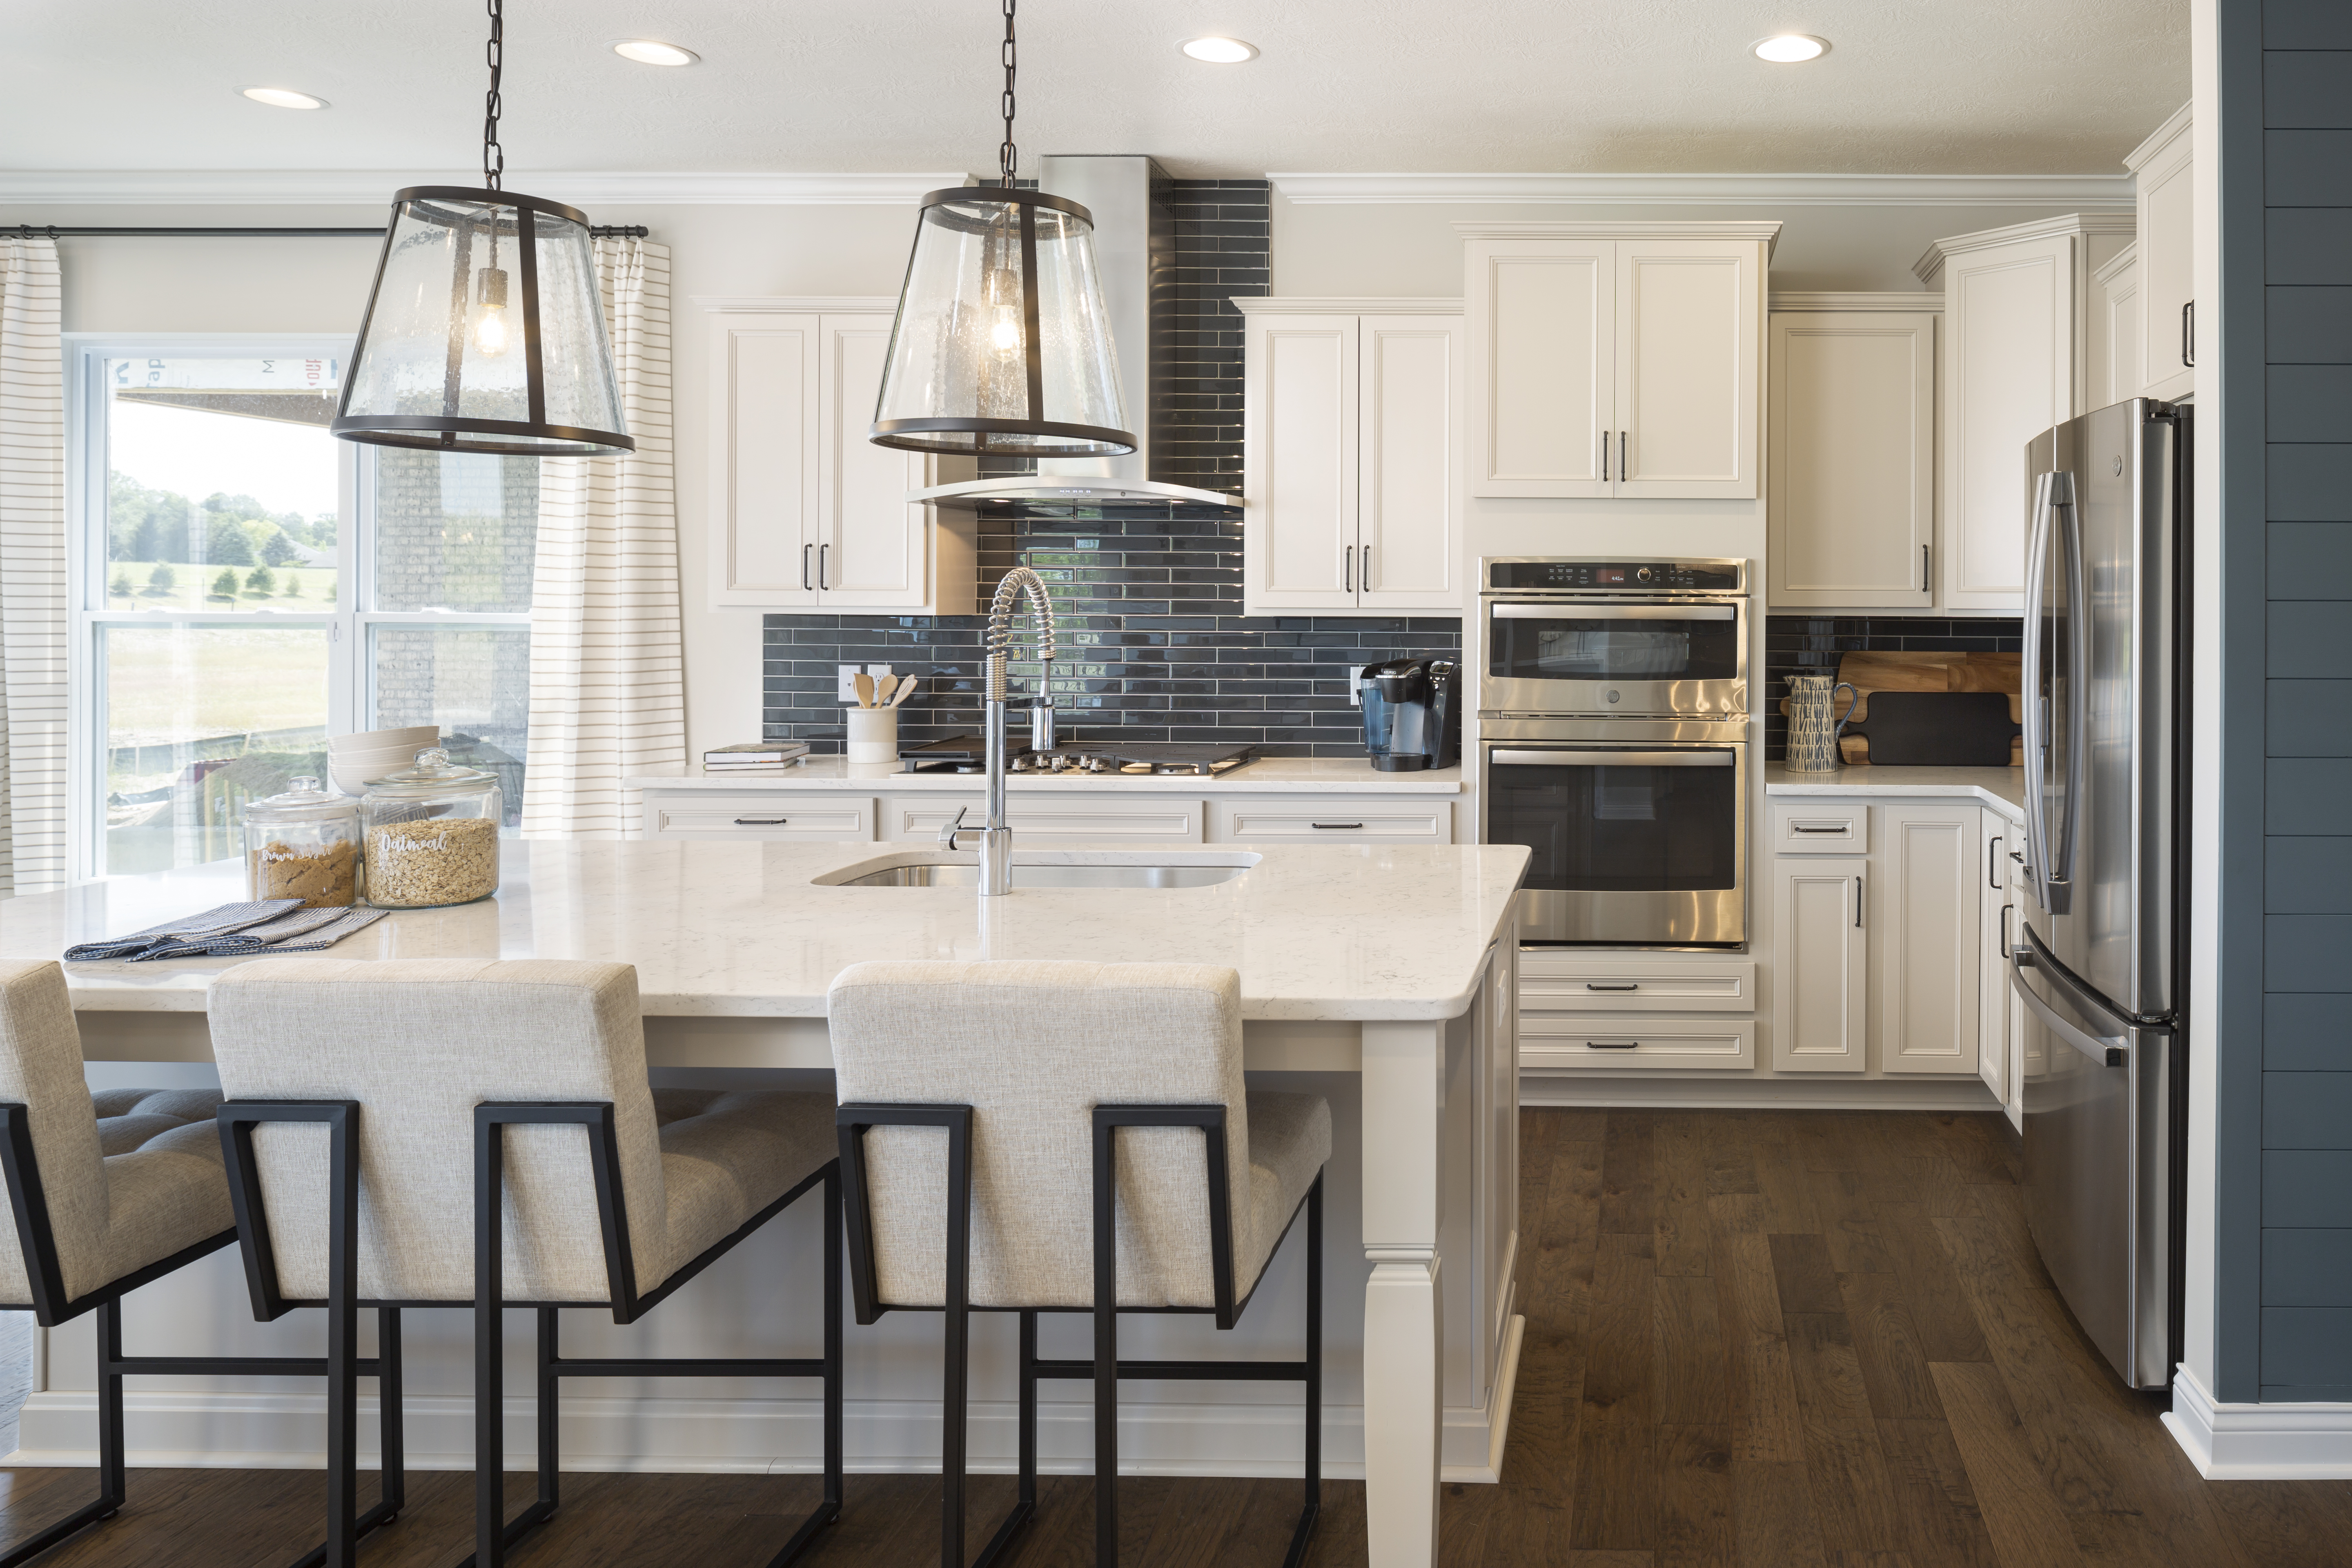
188, 928
303, 931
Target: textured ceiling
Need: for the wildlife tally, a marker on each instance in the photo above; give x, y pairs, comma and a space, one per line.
1639, 86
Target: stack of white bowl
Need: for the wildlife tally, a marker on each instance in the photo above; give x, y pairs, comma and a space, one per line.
356, 761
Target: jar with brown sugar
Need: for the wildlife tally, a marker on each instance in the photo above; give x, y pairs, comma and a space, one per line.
303, 844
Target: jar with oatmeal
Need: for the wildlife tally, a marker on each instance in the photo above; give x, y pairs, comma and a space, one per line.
432, 833
303, 844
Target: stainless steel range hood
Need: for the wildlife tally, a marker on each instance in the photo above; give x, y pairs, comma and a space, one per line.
1134, 239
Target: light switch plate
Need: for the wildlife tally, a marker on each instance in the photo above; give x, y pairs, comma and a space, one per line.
845, 684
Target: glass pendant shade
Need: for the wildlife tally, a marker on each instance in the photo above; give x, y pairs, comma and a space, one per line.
484, 332
1001, 344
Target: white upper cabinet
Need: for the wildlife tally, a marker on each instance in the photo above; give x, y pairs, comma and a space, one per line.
1615, 360
807, 513
2115, 294
1352, 432
2167, 276
1850, 475
2018, 357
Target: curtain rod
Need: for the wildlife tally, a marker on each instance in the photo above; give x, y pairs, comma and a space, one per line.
59, 231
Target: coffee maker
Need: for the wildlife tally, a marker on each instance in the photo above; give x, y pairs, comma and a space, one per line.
1412, 714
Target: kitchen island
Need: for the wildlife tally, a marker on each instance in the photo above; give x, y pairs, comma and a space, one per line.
1380, 975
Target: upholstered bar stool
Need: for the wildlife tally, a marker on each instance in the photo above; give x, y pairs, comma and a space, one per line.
110, 1192
1068, 1137
461, 1132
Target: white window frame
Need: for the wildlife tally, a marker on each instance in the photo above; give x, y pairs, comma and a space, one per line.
350, 675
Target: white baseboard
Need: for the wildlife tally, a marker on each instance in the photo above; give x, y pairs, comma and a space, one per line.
2258, 1442
744, 1436
1798, 1093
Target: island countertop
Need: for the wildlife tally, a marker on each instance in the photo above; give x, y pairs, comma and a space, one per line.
1269, 775
725, 929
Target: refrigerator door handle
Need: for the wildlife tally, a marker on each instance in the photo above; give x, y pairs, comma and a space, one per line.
2107, 1053
2051, 864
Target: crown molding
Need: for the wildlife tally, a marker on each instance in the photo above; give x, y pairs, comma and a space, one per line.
796, 304
300, 187
1931, 265
2076, 191
2163, 136
2122, 261
1767, 230
1833, 300
1335, 305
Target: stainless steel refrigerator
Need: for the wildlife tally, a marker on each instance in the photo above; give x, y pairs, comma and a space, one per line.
2098, 955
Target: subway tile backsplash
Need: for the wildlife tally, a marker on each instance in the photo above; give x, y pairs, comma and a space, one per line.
1153, 644
1805, 645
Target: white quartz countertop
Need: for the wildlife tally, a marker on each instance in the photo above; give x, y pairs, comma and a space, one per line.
2003, 789
730, 930
1272, 776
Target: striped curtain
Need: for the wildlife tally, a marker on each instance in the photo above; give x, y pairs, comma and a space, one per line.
32, 571
607, 660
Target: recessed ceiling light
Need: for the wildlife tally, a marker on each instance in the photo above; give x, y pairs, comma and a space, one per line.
648, 52
1791, 48
282, 97
1220, 51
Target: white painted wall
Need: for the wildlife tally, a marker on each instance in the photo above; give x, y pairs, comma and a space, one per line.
185, 285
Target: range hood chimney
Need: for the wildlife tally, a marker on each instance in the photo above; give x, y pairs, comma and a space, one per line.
1134, 245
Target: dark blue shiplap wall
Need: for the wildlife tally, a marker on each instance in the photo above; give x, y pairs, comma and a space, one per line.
2306, 428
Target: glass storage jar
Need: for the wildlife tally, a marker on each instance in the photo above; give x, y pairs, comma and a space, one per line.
432, 833
303, 844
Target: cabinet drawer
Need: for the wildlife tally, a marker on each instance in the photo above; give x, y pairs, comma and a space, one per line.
1133, 819
1832, 827
826, 820
1307, 820
1573, 1043
1632, 983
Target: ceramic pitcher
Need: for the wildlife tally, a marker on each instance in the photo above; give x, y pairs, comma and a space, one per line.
1812, 733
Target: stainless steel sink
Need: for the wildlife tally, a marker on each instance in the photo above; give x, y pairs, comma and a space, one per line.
929, 874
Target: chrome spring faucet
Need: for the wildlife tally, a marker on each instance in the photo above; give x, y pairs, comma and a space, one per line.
996, 839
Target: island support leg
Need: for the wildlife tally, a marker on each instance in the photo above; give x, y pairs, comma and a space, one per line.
1404, 1326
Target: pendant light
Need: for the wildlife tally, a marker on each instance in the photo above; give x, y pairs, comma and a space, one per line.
484, 329
1001, 344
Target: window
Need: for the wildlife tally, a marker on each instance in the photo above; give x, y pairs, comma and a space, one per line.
247, 585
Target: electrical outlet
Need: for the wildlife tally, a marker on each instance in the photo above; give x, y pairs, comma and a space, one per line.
879, 670
845, 686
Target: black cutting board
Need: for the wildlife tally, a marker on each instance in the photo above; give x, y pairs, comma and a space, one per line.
1938, 729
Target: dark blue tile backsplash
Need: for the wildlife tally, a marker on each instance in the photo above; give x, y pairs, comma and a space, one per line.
1153, 644
1148, 598
1803, 645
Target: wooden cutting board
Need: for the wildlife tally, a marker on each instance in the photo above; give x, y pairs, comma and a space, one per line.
1871, 672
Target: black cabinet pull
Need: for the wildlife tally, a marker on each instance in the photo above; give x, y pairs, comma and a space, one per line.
806, 551
1992, 864
1598, 985
2188, 334
1857, 903
1611, 1045
761, 821
1334, 826
1925, 586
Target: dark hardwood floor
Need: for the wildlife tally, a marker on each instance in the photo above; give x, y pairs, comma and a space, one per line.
1769, 1340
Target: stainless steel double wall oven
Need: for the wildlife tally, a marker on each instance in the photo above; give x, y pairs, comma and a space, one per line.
1612, 704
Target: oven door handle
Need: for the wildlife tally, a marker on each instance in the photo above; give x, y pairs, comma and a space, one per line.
1692, 759
1589, 610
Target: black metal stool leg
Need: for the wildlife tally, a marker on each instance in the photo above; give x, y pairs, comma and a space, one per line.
828, 1508
550, 1453
391, 1433
1313, 1507
1024, 1507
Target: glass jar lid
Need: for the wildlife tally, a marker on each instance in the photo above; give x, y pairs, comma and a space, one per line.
303, 801
433, 774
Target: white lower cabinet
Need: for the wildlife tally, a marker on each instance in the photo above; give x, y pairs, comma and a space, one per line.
1310, 819
820, 819
1582, 1042
1992, 960
1820, 964
1129, 817
1928, 938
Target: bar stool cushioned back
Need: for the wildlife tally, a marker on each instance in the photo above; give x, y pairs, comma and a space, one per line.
1033, 1047
419, 1043
129, 1177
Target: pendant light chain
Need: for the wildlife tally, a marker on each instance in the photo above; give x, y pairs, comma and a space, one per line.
494, 157
1008, 157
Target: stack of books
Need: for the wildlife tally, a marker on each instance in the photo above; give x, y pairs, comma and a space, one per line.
755, 757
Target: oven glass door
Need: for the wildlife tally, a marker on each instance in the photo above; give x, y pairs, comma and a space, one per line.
1587, 657
1635, 845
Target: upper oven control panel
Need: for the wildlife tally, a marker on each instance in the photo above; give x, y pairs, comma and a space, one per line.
1598, 574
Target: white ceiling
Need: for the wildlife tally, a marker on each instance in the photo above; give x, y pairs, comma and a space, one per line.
1649, 86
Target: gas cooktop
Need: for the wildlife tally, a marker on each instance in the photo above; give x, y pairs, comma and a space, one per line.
1103, 759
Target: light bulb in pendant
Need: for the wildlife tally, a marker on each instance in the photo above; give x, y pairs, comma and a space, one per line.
1003, 296
490, 315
